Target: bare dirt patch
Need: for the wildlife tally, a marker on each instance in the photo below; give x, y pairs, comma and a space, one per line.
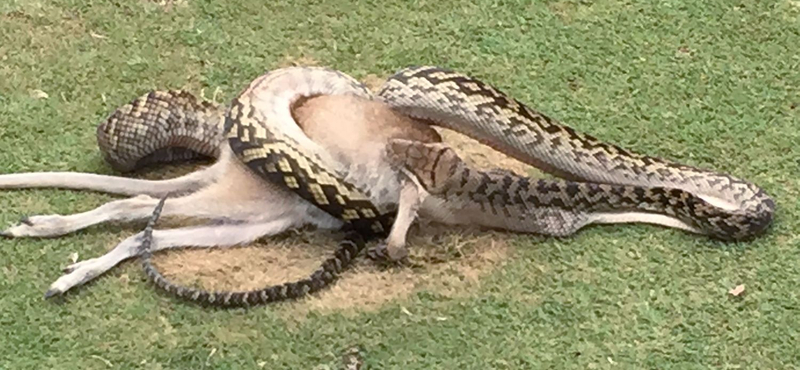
445, 260
483, 157
373, 82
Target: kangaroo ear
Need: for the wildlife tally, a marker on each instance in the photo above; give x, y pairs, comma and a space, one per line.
433, 164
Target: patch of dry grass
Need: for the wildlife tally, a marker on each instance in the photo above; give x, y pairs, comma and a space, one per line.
445, 260
705, 83
442, 261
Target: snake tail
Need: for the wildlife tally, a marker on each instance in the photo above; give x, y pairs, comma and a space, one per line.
352, 244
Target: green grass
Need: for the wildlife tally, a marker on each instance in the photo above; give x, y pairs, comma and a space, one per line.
713, 83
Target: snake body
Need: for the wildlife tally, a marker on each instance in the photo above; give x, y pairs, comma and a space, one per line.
161, 127
720, 205
259, 129
319, 279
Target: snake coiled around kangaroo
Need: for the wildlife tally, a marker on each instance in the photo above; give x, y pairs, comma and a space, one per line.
604, 182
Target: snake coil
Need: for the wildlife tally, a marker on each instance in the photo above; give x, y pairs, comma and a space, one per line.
258, 128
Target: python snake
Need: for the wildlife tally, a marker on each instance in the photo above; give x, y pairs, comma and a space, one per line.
258, 126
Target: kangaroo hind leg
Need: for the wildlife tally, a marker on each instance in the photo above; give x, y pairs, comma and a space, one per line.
199, 236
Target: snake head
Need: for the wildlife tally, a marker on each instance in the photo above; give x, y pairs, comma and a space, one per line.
433, 164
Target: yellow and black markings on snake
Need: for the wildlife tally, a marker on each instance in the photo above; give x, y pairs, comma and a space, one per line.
612, 178
319, 279
164, 124
602, 178
276, 159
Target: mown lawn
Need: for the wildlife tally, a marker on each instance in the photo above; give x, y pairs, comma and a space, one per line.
709, 83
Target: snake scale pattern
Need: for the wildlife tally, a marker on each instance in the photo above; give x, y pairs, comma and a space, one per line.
258, 126
718, 204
